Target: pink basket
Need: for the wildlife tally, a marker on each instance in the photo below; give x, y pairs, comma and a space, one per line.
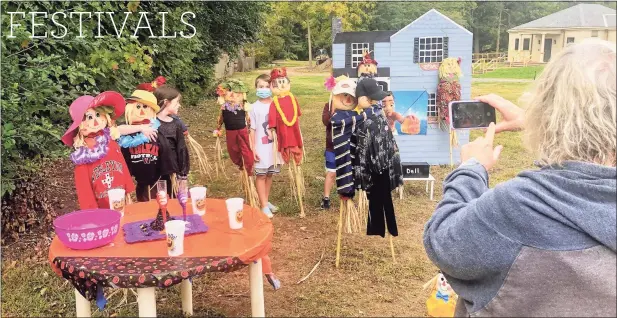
87, 229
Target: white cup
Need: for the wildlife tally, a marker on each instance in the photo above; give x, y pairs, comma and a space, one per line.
175, 237
235, 211
198, 199
117, 200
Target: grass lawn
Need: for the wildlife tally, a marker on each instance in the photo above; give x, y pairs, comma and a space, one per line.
528, 72
367, 283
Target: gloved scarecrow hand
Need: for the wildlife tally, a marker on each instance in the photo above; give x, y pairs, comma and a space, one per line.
345, 196
217, 133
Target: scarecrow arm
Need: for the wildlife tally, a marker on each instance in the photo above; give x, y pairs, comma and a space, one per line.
131, 129
219, 121
468, 215
272, 114
85, 194
326, 115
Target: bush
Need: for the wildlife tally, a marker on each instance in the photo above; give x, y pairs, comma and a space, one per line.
41, 77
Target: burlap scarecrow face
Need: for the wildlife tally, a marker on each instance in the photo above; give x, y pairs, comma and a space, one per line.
233, 91
279, 82
343, 95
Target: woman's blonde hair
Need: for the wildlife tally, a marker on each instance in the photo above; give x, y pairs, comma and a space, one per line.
572, 113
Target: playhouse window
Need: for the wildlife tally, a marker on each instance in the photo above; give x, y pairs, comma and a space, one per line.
431, 110
431, 50
356, 52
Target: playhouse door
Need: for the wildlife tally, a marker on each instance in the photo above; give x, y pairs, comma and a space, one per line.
409, 113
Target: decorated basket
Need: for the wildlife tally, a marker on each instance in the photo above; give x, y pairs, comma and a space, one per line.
87, 229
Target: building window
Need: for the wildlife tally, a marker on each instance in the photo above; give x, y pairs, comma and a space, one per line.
526, 43
570, 40
431, 50
357, 49
516, 42
594, 34
431, 110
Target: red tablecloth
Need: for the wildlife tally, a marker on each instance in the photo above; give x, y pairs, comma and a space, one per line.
147, 264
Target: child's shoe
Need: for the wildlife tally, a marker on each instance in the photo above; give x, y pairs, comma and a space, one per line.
325, 203
274, 281
273, 207
267, 212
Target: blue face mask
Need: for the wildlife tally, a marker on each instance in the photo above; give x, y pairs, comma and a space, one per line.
263, 92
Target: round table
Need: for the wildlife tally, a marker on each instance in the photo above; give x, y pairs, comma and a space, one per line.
146, 265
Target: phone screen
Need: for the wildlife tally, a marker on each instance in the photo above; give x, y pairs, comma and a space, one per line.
472, 115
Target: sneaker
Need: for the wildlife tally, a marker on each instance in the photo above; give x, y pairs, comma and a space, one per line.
273, 207
325, 203
267, 212
274, 281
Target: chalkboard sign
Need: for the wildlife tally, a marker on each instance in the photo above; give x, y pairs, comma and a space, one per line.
415, 170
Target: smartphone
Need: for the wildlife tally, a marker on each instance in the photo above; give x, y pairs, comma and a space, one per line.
471, 114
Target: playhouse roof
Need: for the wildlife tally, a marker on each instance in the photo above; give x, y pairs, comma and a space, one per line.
579, 16
366, 36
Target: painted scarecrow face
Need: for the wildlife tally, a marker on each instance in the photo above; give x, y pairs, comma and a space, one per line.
280, 85
237, 98
367, 68
344, 102
139, 112
95, 120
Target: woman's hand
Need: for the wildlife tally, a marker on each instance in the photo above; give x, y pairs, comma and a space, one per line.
149, 132
513, 116
482, 149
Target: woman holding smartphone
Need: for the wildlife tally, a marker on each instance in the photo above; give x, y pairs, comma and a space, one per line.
543, 243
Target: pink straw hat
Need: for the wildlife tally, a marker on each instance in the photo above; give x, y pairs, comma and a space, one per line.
79, 107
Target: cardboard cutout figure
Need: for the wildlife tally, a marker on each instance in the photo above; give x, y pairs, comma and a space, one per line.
442, 301
284, 122
99, 165
147, 160
235, 116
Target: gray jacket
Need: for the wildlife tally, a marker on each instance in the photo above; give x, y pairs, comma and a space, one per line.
541, 244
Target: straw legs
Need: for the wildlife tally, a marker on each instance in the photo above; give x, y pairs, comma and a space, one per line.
296, 179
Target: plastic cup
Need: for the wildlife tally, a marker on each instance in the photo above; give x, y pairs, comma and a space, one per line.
117, 200
198, 199
235, 211
175, 237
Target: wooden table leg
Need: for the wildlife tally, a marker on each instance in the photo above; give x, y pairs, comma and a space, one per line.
146, 301
400, 191
432, 187
186, 291
256, 281
82, 305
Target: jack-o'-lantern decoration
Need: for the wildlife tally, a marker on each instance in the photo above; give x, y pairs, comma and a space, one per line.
239, 216
368, 66
118, 205
200, 204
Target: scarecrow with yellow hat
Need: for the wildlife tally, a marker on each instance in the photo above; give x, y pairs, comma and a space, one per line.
99, 164
284, 123
234, 114
147, 159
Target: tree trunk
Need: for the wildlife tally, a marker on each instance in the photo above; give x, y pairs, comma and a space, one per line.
498, 30
476, 40
310, 48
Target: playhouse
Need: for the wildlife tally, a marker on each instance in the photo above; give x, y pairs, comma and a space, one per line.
408, 62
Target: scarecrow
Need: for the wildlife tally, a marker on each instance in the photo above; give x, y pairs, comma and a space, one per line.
99, 164
194, 146
367, 68
448, 90
346, 118
442, 302
147, 159
235, 116
376, 164
284, 123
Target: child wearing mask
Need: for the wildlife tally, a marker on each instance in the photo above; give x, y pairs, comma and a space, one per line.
266, 164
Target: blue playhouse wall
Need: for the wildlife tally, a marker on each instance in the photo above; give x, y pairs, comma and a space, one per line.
405, 75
